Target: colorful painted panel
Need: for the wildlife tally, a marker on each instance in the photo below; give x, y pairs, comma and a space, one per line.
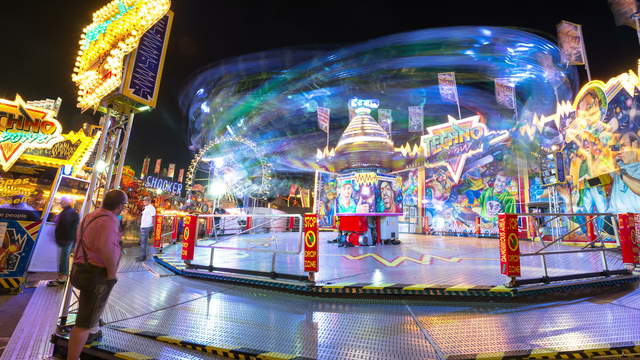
17, 241
326, 200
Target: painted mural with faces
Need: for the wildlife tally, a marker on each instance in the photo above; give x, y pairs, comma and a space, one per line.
485, 189
326, 200
603, 138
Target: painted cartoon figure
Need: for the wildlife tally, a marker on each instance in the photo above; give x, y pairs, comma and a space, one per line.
497, 199
387, 202
346, 203
625, 192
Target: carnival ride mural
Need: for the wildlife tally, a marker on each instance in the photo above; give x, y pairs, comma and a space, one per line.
326, 200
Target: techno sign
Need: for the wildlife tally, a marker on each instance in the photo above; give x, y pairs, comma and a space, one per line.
25, 127
163, 185
451, 143
115, 32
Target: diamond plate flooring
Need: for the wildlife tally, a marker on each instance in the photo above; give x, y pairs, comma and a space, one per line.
232, 316
419, 259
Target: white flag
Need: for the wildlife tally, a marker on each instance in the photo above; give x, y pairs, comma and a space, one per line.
385, 119
323, 118
447, 86
416, 119
505, 93
571, 43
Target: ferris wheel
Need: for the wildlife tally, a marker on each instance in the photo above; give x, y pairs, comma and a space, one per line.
232, 167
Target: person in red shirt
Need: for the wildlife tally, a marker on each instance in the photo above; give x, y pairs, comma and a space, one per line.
97, 255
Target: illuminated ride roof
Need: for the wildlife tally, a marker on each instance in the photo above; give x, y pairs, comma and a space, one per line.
271, 97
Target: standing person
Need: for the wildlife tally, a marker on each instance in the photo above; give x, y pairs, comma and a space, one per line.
95, 268
146, 226
65, 235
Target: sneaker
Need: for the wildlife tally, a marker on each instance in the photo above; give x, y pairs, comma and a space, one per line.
396, 242
54, 283
140, 258
94, 337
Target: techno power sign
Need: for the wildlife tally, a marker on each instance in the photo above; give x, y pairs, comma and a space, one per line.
25, 127
452, 143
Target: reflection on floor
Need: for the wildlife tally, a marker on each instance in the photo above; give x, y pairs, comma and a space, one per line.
419, 259
231, 316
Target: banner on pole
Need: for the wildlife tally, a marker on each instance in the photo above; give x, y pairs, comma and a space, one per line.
385, 119
171, 171
623, 12
145, 168
505, 93
447, 86
416, 119
629, 225
180, 175
571, 43
157, 231
323, 118
156, 169
189, 237
311, 243
509, 244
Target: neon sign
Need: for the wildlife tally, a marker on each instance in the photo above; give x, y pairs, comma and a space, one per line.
115, 32
364, 103
452, 143
163, 185
25, 127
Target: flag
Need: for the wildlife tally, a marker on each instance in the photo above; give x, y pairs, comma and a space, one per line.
416, 119
623, 11
505, 93
571, 43
323, 118
145, 168
180, 175
385, 119
171, 171
156, 170
447, 86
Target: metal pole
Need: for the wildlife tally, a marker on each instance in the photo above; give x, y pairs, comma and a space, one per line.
544, 266
111, 159
584, 53
635, 18
123, 150
105, 122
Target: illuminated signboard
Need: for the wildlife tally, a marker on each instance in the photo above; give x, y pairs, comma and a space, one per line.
145, 65
74, 150
163, 185
115, 32
24, 127
451, 143
356, 103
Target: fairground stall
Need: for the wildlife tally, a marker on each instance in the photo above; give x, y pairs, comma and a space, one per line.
40, 164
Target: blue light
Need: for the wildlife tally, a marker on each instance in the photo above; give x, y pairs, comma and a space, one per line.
205, 108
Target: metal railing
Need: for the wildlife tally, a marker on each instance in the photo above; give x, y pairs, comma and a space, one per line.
249, 225
595, 242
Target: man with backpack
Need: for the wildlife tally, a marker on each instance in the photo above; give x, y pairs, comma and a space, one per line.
65, 235
95, 267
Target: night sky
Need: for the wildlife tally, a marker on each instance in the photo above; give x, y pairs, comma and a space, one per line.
41, 43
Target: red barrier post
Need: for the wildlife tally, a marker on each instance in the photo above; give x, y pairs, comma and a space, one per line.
478, 232
157, 231
209, 228
292, 221
509, 246
174, 229
591, 229
189, 237
248, 223
629, 226
311, 245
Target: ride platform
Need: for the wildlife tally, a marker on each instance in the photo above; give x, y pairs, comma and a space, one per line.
420, 266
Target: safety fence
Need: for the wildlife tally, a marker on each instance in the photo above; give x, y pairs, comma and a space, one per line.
620, 227
242, 244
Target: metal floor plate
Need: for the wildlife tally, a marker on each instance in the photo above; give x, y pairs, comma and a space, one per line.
419, 259
230, 316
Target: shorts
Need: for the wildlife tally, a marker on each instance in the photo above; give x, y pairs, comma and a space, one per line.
94, 289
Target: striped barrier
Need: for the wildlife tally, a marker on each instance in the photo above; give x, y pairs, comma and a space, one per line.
354, 289
97, 350
242, 353
10, 285
620, 350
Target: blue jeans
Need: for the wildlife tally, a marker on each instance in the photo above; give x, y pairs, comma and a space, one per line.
144, 241
63, 262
